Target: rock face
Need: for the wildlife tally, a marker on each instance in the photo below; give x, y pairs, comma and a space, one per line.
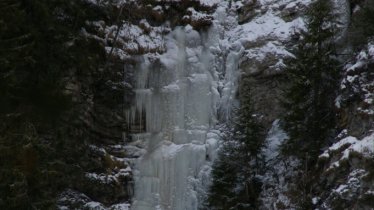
356, 99
266, 92
153, 112
347, 176
267, 38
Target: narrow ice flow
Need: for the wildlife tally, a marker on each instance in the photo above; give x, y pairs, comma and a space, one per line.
178, 97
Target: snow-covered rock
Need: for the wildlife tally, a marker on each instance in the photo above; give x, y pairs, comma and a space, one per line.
347, 174
357, 95
278, 171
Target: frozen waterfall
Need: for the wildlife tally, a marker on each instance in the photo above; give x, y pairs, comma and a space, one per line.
178, 97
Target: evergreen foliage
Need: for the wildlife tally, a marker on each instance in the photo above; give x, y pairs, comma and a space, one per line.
362, 25
310, 99
313, 76
236, 184
40, 45
222, 193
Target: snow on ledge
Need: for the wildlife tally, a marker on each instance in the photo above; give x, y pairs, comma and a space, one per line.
348, 146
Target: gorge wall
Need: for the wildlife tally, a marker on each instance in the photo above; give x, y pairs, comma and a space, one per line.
178, 67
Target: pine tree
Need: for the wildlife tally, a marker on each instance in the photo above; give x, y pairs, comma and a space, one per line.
309, 100
249, 135
235, 174
248, 131
222, 193
40, 154
313, 76
362, 27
